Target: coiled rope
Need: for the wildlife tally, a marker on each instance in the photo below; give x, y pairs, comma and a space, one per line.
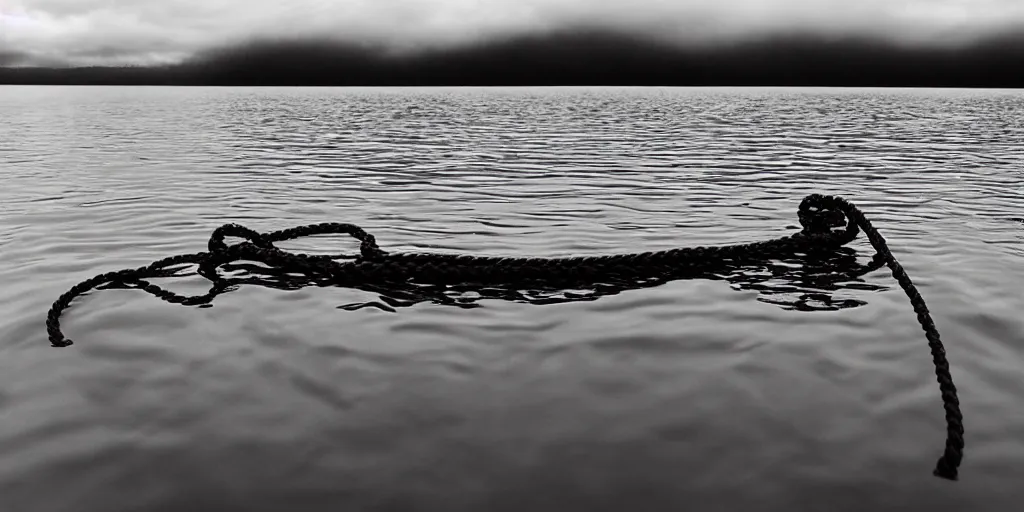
820, 216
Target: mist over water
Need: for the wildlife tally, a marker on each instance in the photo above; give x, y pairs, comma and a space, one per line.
779, 388
912, 43
571, 57
156, 32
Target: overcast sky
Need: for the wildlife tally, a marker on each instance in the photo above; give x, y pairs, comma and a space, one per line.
148, 31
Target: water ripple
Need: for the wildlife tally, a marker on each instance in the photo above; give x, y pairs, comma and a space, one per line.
750, 387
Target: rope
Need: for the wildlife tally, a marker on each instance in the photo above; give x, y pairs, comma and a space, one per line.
822, 218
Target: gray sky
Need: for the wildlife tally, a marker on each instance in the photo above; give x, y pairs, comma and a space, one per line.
149, 31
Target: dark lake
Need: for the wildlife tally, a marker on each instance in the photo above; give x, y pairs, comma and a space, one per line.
759, 390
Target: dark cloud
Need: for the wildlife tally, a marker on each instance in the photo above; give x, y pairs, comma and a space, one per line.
587, 57
167, 31
12, 58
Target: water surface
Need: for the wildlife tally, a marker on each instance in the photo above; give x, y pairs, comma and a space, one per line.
764, 390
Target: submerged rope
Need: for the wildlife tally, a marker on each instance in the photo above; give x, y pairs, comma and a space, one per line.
819, 215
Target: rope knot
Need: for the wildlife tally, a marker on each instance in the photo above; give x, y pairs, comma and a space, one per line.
369, 249
819, 214
823, 218
217, 245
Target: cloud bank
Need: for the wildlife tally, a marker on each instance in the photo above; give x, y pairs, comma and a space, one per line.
153, 32
571, 57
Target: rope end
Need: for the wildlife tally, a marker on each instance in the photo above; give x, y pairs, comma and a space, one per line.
945, 469
61, 343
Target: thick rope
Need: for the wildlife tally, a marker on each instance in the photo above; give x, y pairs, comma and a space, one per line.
821, 217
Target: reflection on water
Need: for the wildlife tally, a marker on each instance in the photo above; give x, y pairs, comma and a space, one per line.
795, 383
804, 282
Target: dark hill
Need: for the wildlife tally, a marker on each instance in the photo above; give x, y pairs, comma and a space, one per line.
577, 58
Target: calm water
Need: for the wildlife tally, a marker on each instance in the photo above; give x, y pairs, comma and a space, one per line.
748, 393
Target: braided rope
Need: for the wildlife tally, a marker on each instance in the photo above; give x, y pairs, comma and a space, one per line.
821, 217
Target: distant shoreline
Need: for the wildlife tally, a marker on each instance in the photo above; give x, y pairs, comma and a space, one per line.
574, 59
523, 86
